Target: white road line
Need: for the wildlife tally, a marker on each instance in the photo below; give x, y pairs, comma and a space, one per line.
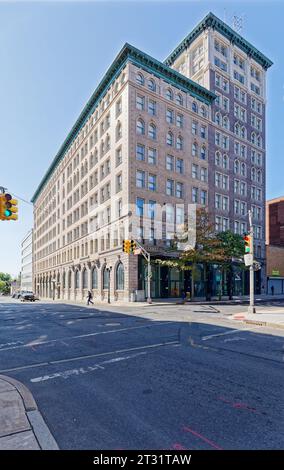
38, 343
66, 374
115, 352
169, 343
205, 338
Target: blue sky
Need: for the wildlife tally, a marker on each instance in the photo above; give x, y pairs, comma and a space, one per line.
53, 55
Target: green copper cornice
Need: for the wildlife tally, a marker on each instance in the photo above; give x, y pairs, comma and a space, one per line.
127, 54
212, 21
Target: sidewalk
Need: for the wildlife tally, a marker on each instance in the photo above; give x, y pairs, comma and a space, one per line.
21, 424
171, 301
272, 318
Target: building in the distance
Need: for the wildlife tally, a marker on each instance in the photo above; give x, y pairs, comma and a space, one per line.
153, 138
275, 245
27, 262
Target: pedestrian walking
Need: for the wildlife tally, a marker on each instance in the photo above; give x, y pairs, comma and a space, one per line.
272, 290
89, 298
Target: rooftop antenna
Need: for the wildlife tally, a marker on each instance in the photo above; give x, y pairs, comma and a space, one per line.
238, 23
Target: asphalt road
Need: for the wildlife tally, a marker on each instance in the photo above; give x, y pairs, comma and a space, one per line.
109, 380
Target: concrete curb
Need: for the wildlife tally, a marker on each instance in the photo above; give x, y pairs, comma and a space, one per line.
264, 323
28, 399
38, 426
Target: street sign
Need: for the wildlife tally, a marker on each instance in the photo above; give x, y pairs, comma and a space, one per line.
248, 258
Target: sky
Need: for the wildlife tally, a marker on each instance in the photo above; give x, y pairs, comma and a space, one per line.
54, 53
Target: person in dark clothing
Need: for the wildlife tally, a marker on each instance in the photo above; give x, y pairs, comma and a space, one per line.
89, 298
272, 290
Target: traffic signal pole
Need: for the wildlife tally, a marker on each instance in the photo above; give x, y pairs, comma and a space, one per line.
147, 257
251, 308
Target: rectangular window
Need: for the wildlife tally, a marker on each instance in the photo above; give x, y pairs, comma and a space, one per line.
194, 128
170, 162
152, 107
194, 171
203, 174
152, 182
140, 179
152, 209
203, 132
140, 206
152, 156
170, 116
179, 190
219, 63
118, 156
194, 195
140, 102
203, 197
218, 199
140, 152
179, 120
179, 165
170, 188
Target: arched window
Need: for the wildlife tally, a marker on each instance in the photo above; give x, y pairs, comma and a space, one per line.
236, 166
259, 141
218, 118
95, 278
259, 176
217, 159
152, 131
243, 169
85, 279
203, 153
105, 278
140, 127
194, 149
237, 129
253, 174
69, 279
169, 94
170, 139
119, 278
225, 122
77, 279
243, 132
140, 79
179, 99
203, 111
194, 107
253, 138
179, 143
225, 162
152, 85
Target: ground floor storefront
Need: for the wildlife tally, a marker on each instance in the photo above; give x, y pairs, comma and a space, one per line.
198, 282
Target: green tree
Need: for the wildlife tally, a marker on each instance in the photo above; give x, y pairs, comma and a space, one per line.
210, 248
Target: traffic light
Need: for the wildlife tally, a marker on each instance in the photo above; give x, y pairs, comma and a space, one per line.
8, 207
132, 246
247, 240
126, 246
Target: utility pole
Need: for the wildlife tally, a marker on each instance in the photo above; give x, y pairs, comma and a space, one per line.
251, 308
147, 257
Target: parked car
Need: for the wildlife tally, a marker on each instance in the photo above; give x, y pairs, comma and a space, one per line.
27, 295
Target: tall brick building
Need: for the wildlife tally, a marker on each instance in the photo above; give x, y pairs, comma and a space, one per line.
155, 136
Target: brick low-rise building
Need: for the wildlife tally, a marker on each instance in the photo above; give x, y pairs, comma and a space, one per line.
153, 138
275, 245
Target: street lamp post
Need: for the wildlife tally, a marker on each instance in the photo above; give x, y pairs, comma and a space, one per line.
108, 292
